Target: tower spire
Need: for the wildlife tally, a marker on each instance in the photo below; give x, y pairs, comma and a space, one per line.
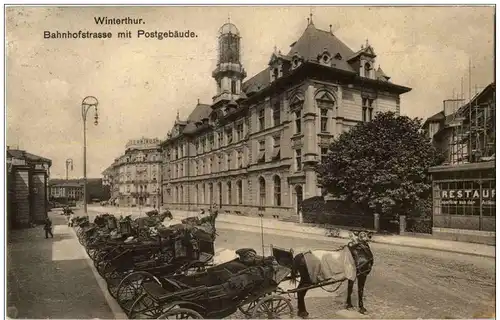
310, 16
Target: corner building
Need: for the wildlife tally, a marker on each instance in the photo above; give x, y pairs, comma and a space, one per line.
135, 176
253, 149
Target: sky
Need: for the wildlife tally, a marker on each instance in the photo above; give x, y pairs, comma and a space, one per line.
142, 83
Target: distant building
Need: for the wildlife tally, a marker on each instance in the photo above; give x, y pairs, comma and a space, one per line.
66, 191
27, 194
63, 191
134, 178
464, 195
253, 149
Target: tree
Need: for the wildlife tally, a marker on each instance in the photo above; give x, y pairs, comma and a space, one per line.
381, 166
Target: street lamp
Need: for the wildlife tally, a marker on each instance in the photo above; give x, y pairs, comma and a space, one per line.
87, 103
69, 166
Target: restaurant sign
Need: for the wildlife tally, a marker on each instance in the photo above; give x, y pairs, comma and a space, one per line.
468, 196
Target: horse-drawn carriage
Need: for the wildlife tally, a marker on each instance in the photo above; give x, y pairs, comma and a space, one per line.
251, 284
248, 283
155, 249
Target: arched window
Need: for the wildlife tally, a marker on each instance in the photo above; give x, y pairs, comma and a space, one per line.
229, 193
277, 191
262, 191
239, 187
203, 193
233, 86
326, 104
181, 195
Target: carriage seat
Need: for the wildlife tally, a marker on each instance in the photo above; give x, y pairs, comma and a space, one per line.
248, 257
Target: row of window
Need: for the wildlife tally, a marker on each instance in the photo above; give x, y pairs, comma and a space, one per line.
325, 102
202, 189
139, 188
225, 162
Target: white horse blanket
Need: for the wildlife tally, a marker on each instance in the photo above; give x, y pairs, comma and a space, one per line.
330, 265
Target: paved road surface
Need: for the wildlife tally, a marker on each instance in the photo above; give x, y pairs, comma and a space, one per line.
405, 282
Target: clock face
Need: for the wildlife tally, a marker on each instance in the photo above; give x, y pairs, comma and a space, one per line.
367, 67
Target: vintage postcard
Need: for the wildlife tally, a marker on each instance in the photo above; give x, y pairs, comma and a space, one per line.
250, 161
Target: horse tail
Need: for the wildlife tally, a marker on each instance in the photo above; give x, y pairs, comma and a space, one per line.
295, 269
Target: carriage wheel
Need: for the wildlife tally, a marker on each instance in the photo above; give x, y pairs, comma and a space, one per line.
247, 309
273, 307
130, 288
92, 253
104, 268
180, 313
113, 282
145, 308
98, 257
111, 275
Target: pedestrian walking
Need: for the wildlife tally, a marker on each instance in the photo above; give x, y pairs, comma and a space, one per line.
67, 218
48, 228
71, 219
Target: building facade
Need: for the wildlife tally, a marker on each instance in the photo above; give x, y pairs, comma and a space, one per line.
134, 178
66, 191
464, 201
253, 149
27, 195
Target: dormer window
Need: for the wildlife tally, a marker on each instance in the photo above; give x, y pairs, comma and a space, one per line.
296, 61
275, 73
368, 68
338, 56
325, 58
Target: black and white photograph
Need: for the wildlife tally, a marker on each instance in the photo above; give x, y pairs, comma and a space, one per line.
250, 161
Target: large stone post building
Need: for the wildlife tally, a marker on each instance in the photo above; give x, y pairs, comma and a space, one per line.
253, 149
27, 195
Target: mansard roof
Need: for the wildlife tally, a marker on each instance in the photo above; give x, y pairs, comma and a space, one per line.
200, 111
313, 41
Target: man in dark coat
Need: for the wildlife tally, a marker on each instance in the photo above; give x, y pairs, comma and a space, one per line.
48, 228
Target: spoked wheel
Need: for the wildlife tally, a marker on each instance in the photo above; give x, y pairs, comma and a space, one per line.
113, 282
247, 309
112, 274
145, 308
130, 288
180, 313
273, 307
103, 267
92, 252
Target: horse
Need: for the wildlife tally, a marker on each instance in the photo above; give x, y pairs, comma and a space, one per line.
363, 261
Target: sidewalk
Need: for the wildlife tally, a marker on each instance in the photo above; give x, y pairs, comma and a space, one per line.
292, 228
50, 278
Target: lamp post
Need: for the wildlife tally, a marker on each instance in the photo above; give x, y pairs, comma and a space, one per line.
69, 166
87, 103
